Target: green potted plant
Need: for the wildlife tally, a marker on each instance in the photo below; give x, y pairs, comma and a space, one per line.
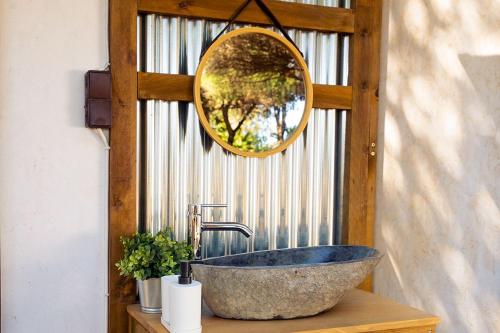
147, 258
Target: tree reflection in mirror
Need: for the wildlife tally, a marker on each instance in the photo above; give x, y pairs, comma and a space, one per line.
254, 91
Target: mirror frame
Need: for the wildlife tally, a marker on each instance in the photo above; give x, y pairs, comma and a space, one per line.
307, 83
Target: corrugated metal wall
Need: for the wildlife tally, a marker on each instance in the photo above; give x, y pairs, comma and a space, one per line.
290, 199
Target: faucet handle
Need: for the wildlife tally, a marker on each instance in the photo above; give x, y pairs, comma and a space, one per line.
213, 205
197, 208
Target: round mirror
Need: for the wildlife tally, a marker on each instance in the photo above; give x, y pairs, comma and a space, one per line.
252, 92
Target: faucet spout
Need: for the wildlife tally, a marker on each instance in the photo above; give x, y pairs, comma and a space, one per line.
227, 226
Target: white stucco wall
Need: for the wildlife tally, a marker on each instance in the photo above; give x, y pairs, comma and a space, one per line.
438, 195
52, 169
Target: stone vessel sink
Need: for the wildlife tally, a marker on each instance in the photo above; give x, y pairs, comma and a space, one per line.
282, 284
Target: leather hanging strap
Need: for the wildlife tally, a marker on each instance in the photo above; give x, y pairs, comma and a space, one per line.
265, 10
276, 23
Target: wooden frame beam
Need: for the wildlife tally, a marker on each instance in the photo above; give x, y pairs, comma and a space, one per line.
361, 136
290, 15
123, 155
173, 87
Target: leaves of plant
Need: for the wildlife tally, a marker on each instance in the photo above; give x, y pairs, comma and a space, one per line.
146, 256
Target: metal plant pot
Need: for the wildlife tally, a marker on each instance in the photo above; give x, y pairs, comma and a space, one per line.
150, 295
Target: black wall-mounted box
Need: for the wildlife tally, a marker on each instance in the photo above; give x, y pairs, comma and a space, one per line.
98, 99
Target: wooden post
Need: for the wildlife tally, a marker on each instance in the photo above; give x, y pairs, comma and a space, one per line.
123, 154
359, 200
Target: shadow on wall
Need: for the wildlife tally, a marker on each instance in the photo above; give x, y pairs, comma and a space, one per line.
438, 195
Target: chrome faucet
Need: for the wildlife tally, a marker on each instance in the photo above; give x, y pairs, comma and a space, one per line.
196, 226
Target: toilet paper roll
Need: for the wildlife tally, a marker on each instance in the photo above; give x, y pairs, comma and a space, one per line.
165, 308
185, 307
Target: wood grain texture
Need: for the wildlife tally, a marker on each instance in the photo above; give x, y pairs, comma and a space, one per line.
422, 329
166, 87
173, 87
290, 15
332, 97
122, 165
361, 125
373, 82
135, 327
359, 311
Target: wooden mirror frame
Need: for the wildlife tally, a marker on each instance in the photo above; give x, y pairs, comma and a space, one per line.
307, 83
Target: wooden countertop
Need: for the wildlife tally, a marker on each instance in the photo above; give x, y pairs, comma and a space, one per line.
359, 311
